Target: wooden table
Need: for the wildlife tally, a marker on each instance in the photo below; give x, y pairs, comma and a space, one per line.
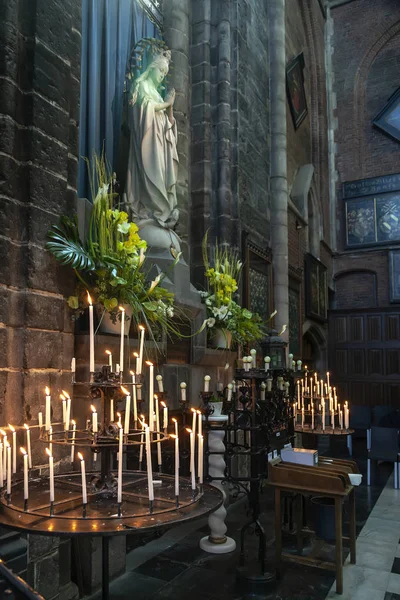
329, 479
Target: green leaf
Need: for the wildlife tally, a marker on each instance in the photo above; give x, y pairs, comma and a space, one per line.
151, 306
118, 281
247, 314
123, 227
110, 304
66, 246
73, 302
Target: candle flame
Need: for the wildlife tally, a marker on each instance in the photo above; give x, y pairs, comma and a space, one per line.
121, 308
155, 397
163, 404
65, 394
11, 427
118, 415
132, 373
136, 355
193, 410
48, 452
200, 436
73, 422
124, 390
172, 435
150, 364
188, 430
26, 426
198, 412
22, 450
89, 298
62, 397
3, 433
80, 456
174, 420
47, 391
108, 352
141, 328
8, 445
92, 408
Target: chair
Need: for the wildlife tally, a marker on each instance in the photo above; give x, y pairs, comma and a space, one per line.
385, 416
361, 418
384, 446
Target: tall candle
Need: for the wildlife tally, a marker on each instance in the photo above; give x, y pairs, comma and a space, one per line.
200, 419
165, 415
346, 415
1, 464
262, 391
141, 350
73, 441
230, 390
68, 410
183, 391
160, 383
14, 448
207, 379
51, 439
194, 420
120, 463
64, 409
302, 418
26, 490
9, 480
48, 409
112, 416
40, 420
312, 417
28, 445
83, 476
253, 353
110, 360
192, 462
134, 398
3, 433
121, 346
175, 422
176, 465
323, 415
94, 419
151, 395
136, 355
267, 360
51, 474
142, 440
327, 380
298, 395
157, 407
91, 335
200, 458
149, 464
127, 410
73, 366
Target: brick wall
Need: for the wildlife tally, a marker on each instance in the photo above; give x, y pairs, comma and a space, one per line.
39, 107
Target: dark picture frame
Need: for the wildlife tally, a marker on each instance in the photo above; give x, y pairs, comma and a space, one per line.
256, 278
388, 119
394, 276
316, 289
372, 220
295, 90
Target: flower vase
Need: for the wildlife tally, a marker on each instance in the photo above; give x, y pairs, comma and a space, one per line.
220, 338
106, 325
217, 408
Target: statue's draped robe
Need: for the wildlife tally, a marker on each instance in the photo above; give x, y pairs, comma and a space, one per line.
153, 161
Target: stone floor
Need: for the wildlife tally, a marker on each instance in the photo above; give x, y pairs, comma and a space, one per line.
173, 567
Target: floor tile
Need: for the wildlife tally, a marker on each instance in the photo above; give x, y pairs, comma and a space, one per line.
396, 566
394, 583
391, 596
160, 568
373, 559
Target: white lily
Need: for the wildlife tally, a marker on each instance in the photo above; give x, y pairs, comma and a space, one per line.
210, 322
283, 330
271, 316
141, 257
154, 283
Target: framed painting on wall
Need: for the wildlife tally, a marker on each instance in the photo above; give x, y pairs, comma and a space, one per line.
372, 220
394, 275
316, 288
295, 90
257, 285
388, 120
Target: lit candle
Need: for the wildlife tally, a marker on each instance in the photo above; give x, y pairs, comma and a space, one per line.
117, 369
165, 415
83, 473
200, 418
151, 395
192, 462
8, 469
230, 389
127, 410
40, 420
183, 391
333, 419
262, 391
200, 458
51, 439
48, 409
64, 409
346, 415
112, 410
176, 438
28, 445
94, 419
340, 417
312, 417
91, 335
51, 474
159, 458
323, 415
160, 383
134, 398
253, 353
136, 355
14, 448
141, 349
73, 366
3, 433
110, 360
327, 380
149, 464
302, 418
121, 347
1, 464
142, 441
207, 380
267, 360
68, 410
298, 395
119, 419
120, 462
26, 490
73, 441
175, 422
194, 420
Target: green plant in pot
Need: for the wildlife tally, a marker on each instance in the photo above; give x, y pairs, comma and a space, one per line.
110, 262
228, 323
216, 402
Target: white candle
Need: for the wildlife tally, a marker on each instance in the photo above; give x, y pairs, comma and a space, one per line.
262, 391
136, 355
200, 458
200, 419
165, 415
14, 448
1, 464
176, 464
121, 347
51, 439
183, 391
48, 409
323, 415
333, 419
175, 422
298, 395
327, 380
9, 481
134, 398
40, 420
64, 409
194, 420
192, 462
4, 453
312, 417
290, 361
119, 419
253, 353
302, 418
230, 390
73, 441
68, 410
91, 335
120, 463
141, 349
340, 418
110, 359
267, 360
299, 363
127, 410
117, 369
269, 385
112, 410
160, 383
94, 419
83, 474
346, 415
157, 407
51, 474
28, 445
73, 365
151, 395
26, 489
149, 464
207, 380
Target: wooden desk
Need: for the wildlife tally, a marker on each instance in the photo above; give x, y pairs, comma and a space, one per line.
329, 479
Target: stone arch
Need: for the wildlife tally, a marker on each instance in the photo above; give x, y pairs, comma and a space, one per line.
315, 335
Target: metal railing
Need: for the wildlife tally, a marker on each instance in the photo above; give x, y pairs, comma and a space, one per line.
15, 587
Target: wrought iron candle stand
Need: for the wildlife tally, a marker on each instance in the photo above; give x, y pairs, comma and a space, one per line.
261, 408
102, 515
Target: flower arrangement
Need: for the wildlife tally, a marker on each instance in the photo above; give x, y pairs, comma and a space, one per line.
110, 263
223, 311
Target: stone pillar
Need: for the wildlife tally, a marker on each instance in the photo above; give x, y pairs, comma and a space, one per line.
279, 189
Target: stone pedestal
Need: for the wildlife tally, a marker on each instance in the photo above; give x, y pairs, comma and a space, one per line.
49, 567
217, 542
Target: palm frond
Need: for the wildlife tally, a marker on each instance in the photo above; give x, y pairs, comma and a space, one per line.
65, 244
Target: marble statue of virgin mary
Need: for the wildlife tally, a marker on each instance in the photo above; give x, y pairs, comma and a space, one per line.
150, 189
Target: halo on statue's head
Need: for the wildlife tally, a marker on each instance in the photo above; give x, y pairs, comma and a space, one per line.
161, 60
147, 54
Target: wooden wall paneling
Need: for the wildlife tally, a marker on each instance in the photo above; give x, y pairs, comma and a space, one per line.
374, 328
375, 362
356, 329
